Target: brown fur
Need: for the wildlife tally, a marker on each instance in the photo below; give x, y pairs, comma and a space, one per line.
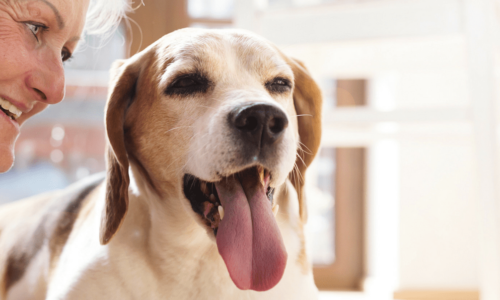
149, 132
308, 103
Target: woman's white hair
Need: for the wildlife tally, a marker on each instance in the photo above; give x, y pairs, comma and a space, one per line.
104, 16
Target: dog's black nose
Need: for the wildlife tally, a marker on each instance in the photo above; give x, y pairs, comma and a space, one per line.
258, 123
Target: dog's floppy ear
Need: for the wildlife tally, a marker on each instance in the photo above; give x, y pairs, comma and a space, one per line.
124, 76
308, 102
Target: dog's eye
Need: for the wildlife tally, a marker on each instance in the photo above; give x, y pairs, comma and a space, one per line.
188, 84
279, 85
185, 82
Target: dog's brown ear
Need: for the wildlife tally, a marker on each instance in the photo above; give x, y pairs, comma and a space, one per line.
122, 89
308, 102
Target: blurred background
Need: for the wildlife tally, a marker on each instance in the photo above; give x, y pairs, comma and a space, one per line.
404, 195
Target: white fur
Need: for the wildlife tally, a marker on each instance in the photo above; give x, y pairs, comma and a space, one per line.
180, 262
161, 250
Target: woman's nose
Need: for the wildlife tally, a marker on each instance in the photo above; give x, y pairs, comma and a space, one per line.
47, 81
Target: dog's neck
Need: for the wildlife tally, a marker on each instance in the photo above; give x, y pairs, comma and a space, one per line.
175, 231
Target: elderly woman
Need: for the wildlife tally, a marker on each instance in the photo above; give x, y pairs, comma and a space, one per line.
36, 37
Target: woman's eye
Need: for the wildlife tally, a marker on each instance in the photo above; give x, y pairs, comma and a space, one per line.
65, 54
36, 28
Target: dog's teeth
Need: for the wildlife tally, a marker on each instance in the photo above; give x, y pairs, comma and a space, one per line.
204, 188
212, 197
221, 211
260, 170
275, 210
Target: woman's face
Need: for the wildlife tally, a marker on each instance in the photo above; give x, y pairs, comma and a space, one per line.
36, 36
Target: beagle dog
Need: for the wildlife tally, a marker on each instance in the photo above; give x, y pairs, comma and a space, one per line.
210, 133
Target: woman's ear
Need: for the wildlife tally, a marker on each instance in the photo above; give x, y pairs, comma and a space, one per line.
124, 77
308, 101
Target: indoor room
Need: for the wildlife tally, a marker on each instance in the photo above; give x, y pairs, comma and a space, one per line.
403, 196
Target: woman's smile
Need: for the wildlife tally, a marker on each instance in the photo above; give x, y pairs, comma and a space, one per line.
37, 36
9, 109
9, 116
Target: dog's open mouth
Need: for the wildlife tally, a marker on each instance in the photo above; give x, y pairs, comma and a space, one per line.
205, 200
240, 212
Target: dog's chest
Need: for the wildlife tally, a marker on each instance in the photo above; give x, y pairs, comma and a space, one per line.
114, 273
134, 280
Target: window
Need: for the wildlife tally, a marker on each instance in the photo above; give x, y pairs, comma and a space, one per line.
336, 201
162, 17
321, 222
210, 13
302, 3
338, 249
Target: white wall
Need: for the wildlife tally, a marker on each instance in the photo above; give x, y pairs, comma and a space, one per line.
437, 243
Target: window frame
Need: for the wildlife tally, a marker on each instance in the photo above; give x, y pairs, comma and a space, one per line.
347, 272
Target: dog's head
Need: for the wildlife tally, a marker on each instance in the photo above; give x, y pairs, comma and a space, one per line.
220, 118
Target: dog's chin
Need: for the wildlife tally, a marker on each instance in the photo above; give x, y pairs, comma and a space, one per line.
205, 201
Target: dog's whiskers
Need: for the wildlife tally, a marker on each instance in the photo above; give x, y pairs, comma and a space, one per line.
297, 178
177, 128
298, 171
192, 184
304, 145
300, 157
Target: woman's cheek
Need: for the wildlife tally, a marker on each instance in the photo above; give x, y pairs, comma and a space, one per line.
15, 56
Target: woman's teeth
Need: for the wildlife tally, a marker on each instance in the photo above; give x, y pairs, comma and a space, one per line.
10, 109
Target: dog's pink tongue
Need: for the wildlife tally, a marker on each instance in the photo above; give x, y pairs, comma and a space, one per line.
248, 237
